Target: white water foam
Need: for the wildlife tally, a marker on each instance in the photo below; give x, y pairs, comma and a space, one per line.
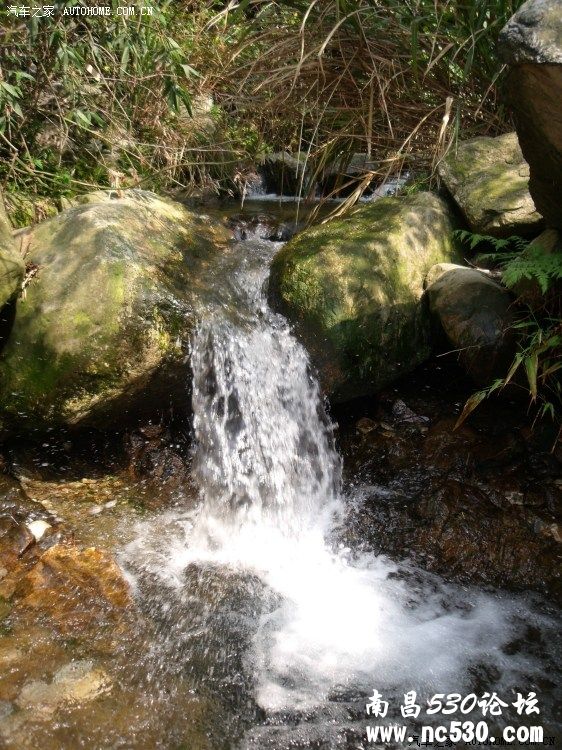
270, 500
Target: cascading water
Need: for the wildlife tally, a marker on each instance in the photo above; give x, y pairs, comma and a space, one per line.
255, 597
264, 450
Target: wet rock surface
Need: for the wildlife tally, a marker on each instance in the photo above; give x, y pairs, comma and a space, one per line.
71, 636
65, 575
480, 504
159, 461
261, 226
353, 290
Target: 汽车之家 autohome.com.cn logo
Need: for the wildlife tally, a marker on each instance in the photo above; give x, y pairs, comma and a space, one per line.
459, 728
47, 11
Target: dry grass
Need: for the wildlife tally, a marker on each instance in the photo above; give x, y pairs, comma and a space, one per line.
116, 102
396, 80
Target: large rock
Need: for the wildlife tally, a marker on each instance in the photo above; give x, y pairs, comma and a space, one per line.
473, 505
76, 587
11, 264
488, 178
353, 289
531, 43
476, 315
529, 290
100, 335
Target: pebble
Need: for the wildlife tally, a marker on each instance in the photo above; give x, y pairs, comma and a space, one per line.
515, 498
365, 425
402, 413
76, 682
38, 528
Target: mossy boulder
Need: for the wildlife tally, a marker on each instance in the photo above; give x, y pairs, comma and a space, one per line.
11, 264
476, 315
99, 338
353, 289
488, 178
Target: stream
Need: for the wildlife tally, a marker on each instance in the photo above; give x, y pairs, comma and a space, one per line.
255, 593
261, 617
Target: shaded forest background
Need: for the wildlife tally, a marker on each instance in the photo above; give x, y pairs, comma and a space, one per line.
194, 95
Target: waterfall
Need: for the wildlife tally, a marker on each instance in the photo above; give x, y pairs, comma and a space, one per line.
255, 596
264, 445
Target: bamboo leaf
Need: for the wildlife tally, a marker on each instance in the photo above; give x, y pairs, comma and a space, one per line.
531, 368
470, 406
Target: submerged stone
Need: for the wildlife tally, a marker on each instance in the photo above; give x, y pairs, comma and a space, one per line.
488, 178
100, 337
77, 588
353, 289
76, 682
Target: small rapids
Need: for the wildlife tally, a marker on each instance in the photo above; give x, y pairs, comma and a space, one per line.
254, 595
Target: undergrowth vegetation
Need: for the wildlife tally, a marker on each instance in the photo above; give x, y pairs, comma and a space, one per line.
533, 271
194, 94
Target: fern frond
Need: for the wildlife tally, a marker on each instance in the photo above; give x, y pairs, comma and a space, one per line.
514, 244
534, 264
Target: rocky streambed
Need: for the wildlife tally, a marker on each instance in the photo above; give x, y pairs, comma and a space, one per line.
234, 496
479, 506
97, 650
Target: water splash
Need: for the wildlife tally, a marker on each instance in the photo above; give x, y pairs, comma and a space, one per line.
252, 586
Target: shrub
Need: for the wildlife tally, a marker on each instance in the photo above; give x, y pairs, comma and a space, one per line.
539, 324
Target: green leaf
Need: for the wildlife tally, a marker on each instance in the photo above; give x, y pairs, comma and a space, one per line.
82, 119
514, 367
531, 368
189, 72
15, 92
125, 58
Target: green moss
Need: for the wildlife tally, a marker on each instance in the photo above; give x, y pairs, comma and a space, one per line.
105, 311
11, 264
82, 322
488, 178
353, 289
25, 210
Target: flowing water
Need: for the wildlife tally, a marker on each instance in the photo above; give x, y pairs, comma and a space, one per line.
255, 598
